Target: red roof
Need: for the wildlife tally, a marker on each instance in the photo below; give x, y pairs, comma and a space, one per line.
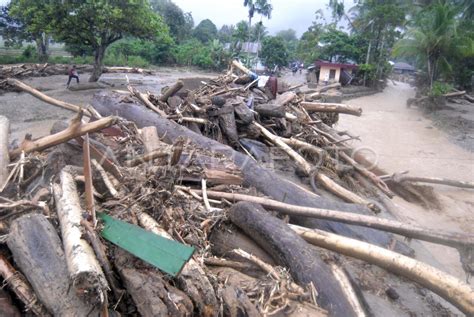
338, 65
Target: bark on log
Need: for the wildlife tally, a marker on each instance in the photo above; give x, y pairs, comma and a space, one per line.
291, 251
237, 303
6, 306
192, 279
18, 284
4, 157
450, 288
45, 98
271, 110
332, 107
87, 86
37, 251
243, 113
450, 239
228, 124
285, 98
152, 295
265, 181
84, 270
172, 90
75, 129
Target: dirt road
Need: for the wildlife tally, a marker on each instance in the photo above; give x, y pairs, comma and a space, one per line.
404, 140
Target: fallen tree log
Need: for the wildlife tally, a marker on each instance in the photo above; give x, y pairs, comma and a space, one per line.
265, 181
332, 107
192, 280
4, 157
152, 295
45, 98
290, 251
270, 110
37, 251
400, 178
84, 270
172, 90
450, 288
75, 129
450, 239
18, 284
87, 86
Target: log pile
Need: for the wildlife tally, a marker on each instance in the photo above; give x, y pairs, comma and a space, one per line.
40, 70
204, 168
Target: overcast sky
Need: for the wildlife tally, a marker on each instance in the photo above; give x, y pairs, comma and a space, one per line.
295, 14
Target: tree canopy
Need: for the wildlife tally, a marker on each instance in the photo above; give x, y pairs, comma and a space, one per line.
274, 52
100, 23
205, 31
180, 24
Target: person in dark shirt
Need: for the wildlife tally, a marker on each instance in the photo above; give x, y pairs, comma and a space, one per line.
73, 74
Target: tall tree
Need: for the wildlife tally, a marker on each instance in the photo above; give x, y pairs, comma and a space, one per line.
29, 21
433, 40
261, 7
225, 33
287, 35
274, 52
174, 17
100, 23
205, 31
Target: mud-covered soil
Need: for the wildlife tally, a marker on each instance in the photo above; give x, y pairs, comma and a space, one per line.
401, 139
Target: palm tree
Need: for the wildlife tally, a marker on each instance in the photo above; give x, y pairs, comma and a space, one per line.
262, 7
432, 39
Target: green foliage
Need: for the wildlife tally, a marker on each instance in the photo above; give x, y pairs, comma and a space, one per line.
288, 35
338, 46
180, 24
29, 52
100, 23
205, 31
439, 89
274, 52
433, 40
225, 33
194, 53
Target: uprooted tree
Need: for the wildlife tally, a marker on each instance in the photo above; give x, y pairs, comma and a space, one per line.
100, 23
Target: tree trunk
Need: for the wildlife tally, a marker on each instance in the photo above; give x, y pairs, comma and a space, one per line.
98, 63
38, 253
4, 157
448, 287
291, 251
42, 45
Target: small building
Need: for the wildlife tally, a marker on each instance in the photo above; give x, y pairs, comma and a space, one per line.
334, 72
403, 68
327, 72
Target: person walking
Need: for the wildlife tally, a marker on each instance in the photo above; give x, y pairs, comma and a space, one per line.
72, 74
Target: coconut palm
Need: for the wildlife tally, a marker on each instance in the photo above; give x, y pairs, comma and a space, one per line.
262, 7
432, 39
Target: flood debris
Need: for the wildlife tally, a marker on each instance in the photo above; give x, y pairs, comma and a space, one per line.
232, 199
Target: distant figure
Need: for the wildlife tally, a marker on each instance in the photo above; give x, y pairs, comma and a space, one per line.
301, 67
294, 68
72, 74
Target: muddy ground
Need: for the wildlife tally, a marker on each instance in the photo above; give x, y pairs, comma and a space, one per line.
403, 139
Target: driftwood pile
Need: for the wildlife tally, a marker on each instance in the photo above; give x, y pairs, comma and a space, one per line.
204, 168
41, 70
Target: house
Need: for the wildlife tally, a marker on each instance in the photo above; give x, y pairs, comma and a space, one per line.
403, 68
328, 72
245, 47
